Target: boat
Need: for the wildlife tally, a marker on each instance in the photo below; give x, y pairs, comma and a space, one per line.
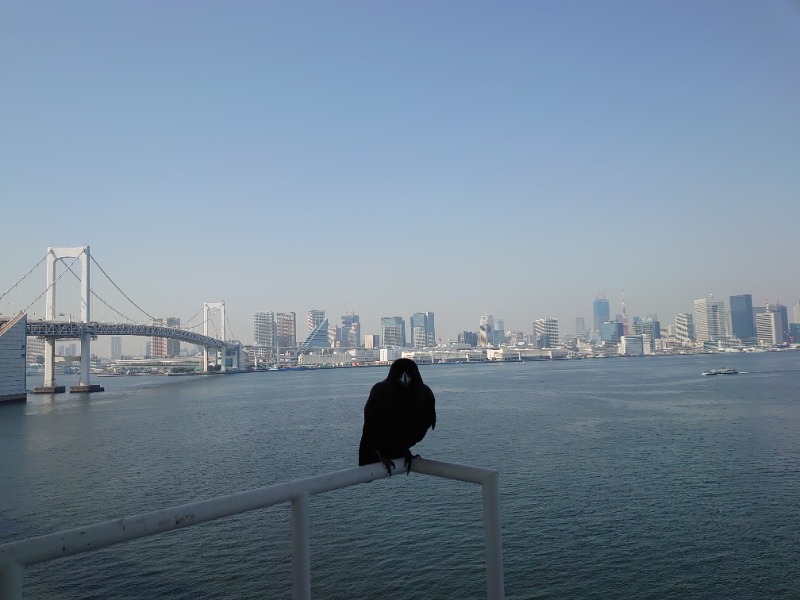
725, 371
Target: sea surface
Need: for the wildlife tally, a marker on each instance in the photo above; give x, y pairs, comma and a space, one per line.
620, 478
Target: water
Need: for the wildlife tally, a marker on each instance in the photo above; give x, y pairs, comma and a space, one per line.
620, 478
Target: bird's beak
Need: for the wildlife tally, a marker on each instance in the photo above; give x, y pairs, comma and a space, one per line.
405, 379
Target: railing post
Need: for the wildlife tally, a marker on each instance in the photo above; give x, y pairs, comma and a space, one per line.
301, 555
11, 575
495, 589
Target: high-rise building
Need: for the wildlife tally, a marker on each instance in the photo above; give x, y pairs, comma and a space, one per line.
470, 338
423, 334
393, 332
116, 347
546, 332
499, 333
601, 312
580, 327
264, 330
372, 341
486, 331
350, 333
742, 321
286, 331
317, 337
796, 312
783, 311
684, 327
709, 319
610, 331
769, 328
313, 319
162, 347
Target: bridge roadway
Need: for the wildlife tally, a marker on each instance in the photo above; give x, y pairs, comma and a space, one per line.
64, 330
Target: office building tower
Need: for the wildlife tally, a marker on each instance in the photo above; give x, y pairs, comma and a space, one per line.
264, 330
486, 331
350, 332
580, 327
317, 338
709, 319
372, 341
610, 331
742, 317
684, 327
162, 347
632, 345
286, 331
499, 333
34, 352
769, 328
393, 332
423, 334
601, 312
313, 319
469, 338
546, 332
116, 347
796, 312
783, 311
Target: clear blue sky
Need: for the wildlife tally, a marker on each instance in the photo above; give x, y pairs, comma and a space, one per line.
394, 157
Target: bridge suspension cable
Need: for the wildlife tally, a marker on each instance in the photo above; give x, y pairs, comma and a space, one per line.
151, 317
23, 279
69, 268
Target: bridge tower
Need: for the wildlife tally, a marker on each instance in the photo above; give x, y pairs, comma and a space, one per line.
213, 306
53, 256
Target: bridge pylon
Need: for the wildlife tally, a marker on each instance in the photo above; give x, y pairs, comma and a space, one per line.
49, 384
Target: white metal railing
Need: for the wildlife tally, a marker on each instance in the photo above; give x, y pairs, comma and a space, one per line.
15, 556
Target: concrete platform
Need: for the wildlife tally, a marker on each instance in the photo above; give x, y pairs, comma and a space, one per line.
86, 389
54, 389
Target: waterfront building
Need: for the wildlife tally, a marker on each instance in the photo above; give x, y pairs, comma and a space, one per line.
372, 341
601, 312
546, 332
631, 345
116, 347
796, 312
314, 318
486, 331
13, 377
742, 317
783, 311
684, 327
264, 329
317, 338
499, 332
468, 338
286, 331
423, 333
350, 332
35, 350
769, 328
610, 331
709, 319
393, 332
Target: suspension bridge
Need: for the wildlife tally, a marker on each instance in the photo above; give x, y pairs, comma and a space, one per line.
225, 354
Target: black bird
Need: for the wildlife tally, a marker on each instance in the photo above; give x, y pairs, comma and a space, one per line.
398, 413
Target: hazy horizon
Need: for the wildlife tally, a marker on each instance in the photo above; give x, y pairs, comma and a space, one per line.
384, 159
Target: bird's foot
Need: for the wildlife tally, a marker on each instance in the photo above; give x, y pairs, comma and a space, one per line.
386, 462
409, 458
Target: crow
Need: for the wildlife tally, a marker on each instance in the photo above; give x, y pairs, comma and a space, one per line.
398, 413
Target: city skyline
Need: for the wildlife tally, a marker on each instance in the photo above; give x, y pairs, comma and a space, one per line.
458, 158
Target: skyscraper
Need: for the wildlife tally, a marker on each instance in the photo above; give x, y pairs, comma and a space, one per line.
286, 331
423, 334
742, 322
116, 347
486, 331
393, 331
165, 347
684, 327
580, 327
769, 328
264, 329
709, 319
313, 318
350, 331
317, 337
601, 312
546, 332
